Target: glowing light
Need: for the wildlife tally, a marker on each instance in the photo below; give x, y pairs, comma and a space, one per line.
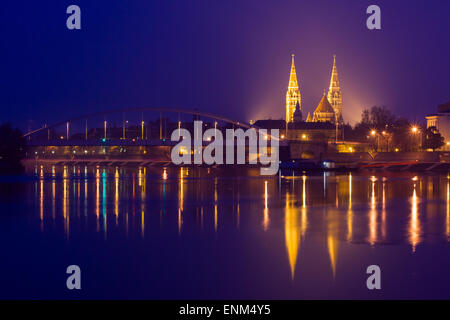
97, 198
66, 206
180, 221
373, 215
414, 129
140, 177
350, 212
215, 205
41, 202
181, 195
373, 132
266, 210
333, 252
447, 219
414, 226
304, 192
292, 234
116, 194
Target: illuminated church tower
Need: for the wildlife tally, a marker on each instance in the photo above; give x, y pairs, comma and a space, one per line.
334, 93
292, 95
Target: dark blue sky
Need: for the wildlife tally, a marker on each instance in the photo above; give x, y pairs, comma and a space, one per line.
227, 57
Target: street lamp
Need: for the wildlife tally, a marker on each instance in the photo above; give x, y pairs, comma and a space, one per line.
373, 133
414, 131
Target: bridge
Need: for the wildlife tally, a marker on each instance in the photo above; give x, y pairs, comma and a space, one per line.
125, 123
142, 137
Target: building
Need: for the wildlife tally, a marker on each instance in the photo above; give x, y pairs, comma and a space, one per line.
293, 96
329, 108
324, 111
441, 120
334, 93
311, 132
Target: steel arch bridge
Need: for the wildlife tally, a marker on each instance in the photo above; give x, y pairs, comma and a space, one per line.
142, 109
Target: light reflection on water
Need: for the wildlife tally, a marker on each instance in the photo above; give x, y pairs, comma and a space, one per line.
298, 193
333, 212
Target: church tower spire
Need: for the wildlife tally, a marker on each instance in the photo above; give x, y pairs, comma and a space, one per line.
334, 93
293, 94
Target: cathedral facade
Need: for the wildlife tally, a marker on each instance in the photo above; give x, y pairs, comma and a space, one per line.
329, 108
293, 96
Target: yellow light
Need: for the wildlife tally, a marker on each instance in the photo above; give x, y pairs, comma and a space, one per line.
350, 149
282, 136
396, 149
303, 136
414, 129
373, 132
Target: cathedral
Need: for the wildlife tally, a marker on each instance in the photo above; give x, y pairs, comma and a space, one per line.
320, 127
329, 108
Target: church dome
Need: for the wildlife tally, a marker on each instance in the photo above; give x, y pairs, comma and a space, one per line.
324, 106
324, 111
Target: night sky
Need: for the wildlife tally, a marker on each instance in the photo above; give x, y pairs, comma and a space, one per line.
226, 57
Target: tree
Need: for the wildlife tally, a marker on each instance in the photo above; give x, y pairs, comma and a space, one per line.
432, 139
402, 137
378, 118
12, 149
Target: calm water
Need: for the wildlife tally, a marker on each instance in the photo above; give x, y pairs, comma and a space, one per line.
174, 233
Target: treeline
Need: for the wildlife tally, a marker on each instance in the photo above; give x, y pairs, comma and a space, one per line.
387, 132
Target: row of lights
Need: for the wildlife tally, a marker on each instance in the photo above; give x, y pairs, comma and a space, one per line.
414, 129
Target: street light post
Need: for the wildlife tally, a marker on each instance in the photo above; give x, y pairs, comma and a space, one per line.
414, 131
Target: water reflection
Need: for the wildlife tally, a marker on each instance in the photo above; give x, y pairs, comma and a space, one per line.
414, 226
292, 233
349, 210
327, 211
295, 224
266, 208
447, 219
373, 214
